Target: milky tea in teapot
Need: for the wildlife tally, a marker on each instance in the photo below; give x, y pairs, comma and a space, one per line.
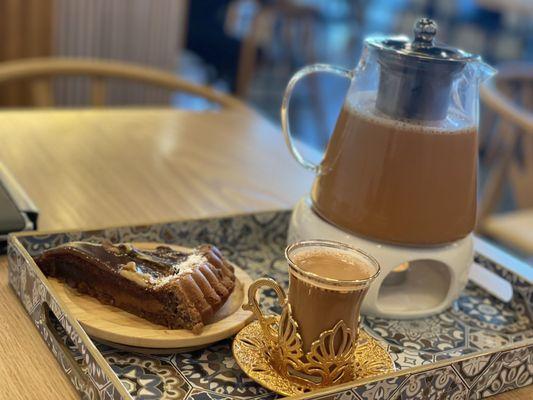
401, 164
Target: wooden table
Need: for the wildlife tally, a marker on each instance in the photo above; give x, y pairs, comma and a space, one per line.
87, 169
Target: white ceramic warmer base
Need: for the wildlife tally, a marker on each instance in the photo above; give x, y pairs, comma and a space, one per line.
435, 278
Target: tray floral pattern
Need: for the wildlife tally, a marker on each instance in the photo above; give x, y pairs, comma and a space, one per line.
454, 355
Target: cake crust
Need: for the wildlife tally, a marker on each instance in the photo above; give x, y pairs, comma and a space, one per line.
173, 288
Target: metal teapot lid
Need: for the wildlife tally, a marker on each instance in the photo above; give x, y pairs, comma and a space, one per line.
416, 77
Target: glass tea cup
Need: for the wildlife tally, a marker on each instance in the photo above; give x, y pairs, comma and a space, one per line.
315, 337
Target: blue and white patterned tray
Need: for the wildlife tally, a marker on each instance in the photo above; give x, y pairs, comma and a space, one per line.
477, 348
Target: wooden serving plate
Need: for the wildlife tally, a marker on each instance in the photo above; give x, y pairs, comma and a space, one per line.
115, 326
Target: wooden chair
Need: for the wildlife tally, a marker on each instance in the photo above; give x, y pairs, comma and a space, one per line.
41, 71
297, 24
287, 30
506, 139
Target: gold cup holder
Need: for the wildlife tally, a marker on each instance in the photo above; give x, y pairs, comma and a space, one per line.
270, 351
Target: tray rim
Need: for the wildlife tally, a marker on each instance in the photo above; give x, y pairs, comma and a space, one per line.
488, 250
420, 368
90, 228
88, 343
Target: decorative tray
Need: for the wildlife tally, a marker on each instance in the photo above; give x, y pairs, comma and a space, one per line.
479, 347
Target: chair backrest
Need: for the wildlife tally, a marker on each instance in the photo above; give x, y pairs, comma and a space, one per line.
41, 71
510, 94
295, 23
507, 136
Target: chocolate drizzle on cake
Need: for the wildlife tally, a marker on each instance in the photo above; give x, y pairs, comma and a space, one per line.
173, 288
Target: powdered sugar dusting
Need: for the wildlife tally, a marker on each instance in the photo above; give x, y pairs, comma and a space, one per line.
189, 263
184, 267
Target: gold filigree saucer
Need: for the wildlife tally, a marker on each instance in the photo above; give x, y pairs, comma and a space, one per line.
250, 352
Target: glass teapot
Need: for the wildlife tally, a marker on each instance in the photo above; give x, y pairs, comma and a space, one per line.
401, 164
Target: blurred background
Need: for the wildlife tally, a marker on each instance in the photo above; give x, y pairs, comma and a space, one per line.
250, 48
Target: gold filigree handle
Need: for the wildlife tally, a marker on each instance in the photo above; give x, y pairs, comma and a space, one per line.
269, 323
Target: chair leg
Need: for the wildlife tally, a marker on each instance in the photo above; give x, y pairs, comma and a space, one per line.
317, 104
499, 172
98, 92
248, 55
41, 90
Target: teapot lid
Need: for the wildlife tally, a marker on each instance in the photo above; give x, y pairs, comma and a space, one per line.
416, 77
423, 47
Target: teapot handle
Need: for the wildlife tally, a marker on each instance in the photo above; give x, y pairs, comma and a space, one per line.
310, 69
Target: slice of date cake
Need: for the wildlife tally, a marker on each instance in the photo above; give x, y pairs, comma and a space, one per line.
168, 287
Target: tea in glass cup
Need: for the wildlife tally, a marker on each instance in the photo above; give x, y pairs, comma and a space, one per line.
315, 337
